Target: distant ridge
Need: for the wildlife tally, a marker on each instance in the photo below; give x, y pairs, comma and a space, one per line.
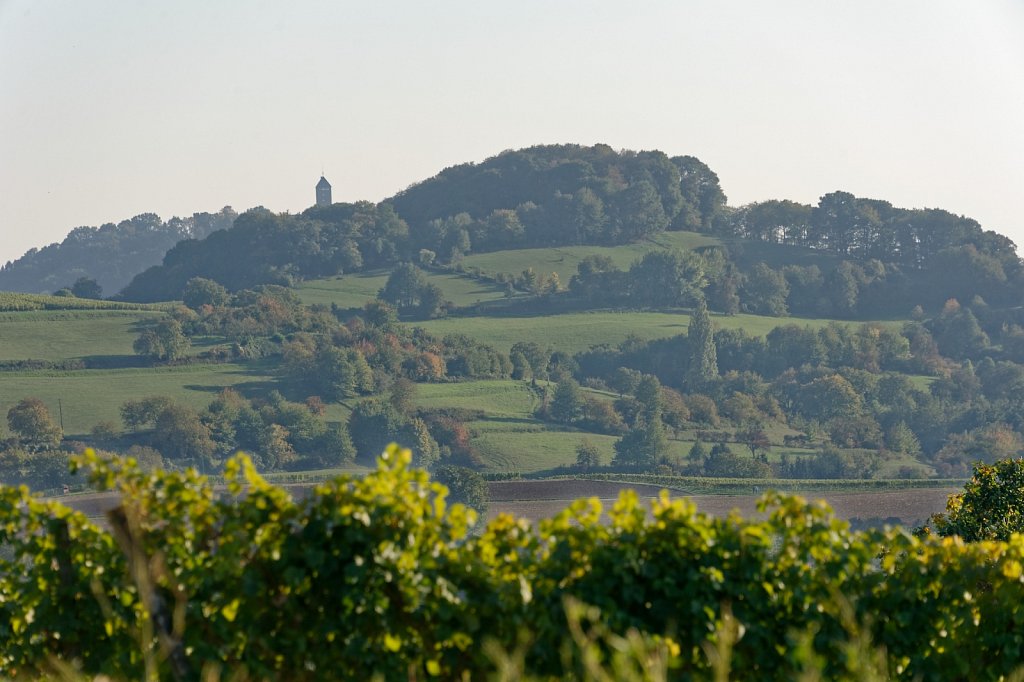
111, 254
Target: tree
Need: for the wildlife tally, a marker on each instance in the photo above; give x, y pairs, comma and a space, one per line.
87, 287
765, 291
644, 445
432, 303
138, 414
402, 395
667, 279
899, 438
702, 368
335, 376
166, 341
104, 432
991, 507
275, 450
403, 286
638, 211
725, 463
30, 420
958, 332
180, 434
698, 452
374, 424
648, 395
537, 358
465, 486
830, 396
755, 438
588, 455
200, 291
625, 380
381, 315
334, 447
567, 402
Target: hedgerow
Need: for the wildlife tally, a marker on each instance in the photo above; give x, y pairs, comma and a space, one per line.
379, 576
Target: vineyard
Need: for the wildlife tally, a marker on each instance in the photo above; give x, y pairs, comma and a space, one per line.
16, 302
379, 577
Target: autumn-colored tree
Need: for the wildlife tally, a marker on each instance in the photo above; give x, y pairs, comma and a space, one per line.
991, 507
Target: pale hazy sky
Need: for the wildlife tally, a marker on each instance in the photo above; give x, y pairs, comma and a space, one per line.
109, 109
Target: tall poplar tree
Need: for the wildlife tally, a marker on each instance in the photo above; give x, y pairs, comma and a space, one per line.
703, 365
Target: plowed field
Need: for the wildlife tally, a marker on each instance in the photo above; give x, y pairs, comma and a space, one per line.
536, 500
540, 499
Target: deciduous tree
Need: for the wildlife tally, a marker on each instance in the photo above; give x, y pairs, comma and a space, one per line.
31, 422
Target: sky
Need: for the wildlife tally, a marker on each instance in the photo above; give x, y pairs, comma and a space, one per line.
109, 109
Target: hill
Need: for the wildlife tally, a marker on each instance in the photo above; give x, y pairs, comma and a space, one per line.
728, 349
110, 254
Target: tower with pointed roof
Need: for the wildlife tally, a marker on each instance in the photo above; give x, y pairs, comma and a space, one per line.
323, 192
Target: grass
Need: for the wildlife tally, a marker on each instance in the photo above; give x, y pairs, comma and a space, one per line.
346, 291
502, 398
564, 260
55, 335
526, 451
87, 397
574, 332
352, 291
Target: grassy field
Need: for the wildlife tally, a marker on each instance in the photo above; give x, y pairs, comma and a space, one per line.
564, 260
352, 291
574, 332
503, 398
90, 396
60, 335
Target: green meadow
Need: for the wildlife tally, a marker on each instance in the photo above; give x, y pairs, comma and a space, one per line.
354, 290
86, 397
574, 332
60, 335
504, 398
564, 260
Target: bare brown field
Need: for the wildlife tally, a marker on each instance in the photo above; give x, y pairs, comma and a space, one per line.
535, 500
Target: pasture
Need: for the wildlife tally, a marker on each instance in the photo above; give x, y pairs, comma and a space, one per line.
353, 290
563, 260
61, 335
578, 331
87, 397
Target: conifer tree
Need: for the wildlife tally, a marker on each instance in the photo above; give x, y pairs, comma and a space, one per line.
703, 365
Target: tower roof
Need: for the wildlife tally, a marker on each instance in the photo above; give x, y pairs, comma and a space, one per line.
323, 183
